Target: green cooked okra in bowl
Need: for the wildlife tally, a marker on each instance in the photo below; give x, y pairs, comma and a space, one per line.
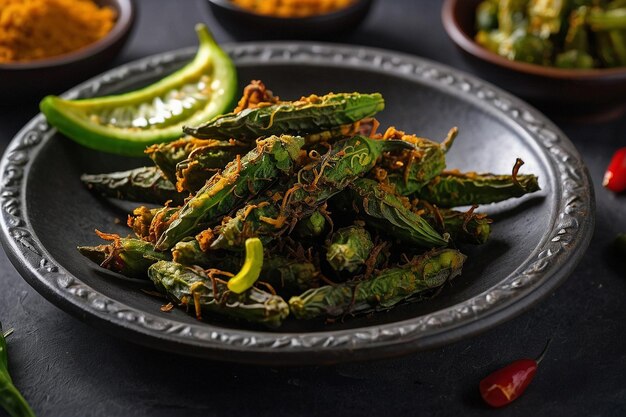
567, 57
298, 210
576, 34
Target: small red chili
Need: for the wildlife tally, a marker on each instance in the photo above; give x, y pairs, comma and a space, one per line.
503, 386
615, 176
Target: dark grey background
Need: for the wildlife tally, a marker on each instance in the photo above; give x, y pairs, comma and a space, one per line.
66, 368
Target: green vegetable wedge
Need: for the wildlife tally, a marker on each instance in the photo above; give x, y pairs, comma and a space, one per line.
126, 123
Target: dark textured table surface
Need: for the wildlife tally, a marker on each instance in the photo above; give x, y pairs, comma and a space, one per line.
66, 368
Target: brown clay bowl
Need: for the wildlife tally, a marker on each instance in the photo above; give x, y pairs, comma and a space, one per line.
27, 81
581, 94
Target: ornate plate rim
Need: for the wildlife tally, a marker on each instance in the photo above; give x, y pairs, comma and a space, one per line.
550, 263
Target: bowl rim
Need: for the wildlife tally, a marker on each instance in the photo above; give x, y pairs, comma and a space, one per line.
227, 4
462, 40
123, 23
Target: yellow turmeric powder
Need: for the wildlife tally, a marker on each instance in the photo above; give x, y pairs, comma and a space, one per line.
36, 29
292, 8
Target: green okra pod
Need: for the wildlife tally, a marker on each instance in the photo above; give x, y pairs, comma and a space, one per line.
388, 213
462, 227
453, 189
604, 50
240, 180
311, 226
189, 252
287, 274
487, 15
308, 115
314, 185
349, 248
203, 162
409, 170
205, 293
546, 17
386, 289
146, 184
127, 256
607, 20
511, 15
148, 224
166, 155
618, 40
531, 48
259, 218
574, 59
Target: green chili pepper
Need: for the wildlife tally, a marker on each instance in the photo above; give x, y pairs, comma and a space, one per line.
10, 398
251, 269
126, 123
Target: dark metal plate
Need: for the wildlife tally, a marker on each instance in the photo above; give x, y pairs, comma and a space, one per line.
536, 241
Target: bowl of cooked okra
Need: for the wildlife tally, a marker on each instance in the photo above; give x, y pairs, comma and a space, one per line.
568, 58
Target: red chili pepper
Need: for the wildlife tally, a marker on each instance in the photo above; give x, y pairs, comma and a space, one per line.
503, 386
615, 176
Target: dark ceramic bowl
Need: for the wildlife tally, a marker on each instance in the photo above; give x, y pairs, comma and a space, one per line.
24, 81
596, 93
246, 25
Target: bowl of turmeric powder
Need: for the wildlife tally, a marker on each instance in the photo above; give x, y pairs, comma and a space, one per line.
295, 19
47, 46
